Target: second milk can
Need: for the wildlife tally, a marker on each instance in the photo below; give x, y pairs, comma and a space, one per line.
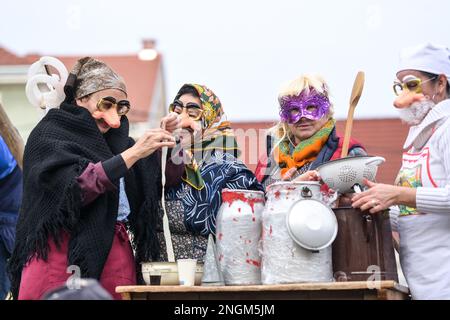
283, 260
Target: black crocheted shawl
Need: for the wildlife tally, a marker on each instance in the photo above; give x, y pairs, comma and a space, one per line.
58, 150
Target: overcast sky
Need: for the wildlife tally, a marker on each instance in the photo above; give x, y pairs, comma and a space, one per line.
242, 50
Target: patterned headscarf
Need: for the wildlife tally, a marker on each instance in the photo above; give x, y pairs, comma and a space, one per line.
90, 75
216, 133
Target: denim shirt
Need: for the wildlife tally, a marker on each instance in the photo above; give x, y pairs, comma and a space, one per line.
124, 205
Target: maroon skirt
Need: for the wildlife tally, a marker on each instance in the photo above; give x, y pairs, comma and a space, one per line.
39, 276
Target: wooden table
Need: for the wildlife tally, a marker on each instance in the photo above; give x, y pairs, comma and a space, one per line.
385, 290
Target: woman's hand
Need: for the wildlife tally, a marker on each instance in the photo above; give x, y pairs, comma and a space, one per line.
311, 175
148, 143
171, 122
381, 196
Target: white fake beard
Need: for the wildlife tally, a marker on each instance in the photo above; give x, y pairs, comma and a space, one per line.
414, 114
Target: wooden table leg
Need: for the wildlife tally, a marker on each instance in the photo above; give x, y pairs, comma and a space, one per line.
388, 294
126, 296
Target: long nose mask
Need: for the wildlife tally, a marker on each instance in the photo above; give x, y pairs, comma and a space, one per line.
407, 98
189, 123
111, 117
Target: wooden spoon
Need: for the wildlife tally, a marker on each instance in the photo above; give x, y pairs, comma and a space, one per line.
358, 86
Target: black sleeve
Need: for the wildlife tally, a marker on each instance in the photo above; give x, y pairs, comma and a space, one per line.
115, 168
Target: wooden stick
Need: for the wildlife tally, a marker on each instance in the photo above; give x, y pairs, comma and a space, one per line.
11, 136
357, 89
348, 131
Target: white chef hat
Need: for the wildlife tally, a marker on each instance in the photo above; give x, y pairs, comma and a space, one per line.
426, 57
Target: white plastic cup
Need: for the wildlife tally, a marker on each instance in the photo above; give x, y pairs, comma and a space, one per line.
186, 271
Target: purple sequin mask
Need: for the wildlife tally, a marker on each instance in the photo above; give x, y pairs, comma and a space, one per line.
312, 105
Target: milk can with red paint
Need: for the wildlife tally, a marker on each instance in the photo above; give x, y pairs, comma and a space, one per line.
238, 232
283, 260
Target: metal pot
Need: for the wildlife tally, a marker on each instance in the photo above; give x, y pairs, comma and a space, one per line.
363, 249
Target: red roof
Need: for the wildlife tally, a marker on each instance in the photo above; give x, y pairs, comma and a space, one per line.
10, 59
381, 137
139, 75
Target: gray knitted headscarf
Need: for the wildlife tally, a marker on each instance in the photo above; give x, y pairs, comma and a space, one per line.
93, 75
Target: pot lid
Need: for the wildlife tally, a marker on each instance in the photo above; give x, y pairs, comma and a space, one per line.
311, 224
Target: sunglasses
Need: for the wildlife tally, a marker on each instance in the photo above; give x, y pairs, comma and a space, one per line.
411, 84
193, 110
106, 103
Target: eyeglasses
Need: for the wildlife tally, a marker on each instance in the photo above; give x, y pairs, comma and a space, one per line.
122, 106
411, 83
194, 111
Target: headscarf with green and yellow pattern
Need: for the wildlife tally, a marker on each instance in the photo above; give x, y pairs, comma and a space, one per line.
216, 133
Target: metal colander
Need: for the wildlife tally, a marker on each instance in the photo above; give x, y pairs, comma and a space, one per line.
370, 172
342, 174
347, 174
